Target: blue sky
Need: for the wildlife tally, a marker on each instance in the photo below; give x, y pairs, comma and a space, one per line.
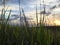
29, 6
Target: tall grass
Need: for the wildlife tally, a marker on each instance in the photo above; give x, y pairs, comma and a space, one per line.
36, 16
15, 35
25, 35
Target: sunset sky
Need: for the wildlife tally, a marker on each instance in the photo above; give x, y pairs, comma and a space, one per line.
29, 7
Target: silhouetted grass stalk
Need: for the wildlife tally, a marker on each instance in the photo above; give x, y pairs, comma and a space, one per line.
36, 16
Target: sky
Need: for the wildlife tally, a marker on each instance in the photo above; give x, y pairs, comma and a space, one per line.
29, 4
29, 7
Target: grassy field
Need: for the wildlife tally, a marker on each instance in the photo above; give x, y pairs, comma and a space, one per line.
25, 35
15, 35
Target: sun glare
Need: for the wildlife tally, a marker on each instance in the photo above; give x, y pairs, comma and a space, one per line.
57, 22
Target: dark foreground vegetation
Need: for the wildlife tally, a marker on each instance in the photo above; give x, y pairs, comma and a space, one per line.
15, 35
25, 35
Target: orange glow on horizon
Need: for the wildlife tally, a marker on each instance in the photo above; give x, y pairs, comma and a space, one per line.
57, 22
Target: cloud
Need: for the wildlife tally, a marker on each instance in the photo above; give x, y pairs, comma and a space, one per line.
30, 8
